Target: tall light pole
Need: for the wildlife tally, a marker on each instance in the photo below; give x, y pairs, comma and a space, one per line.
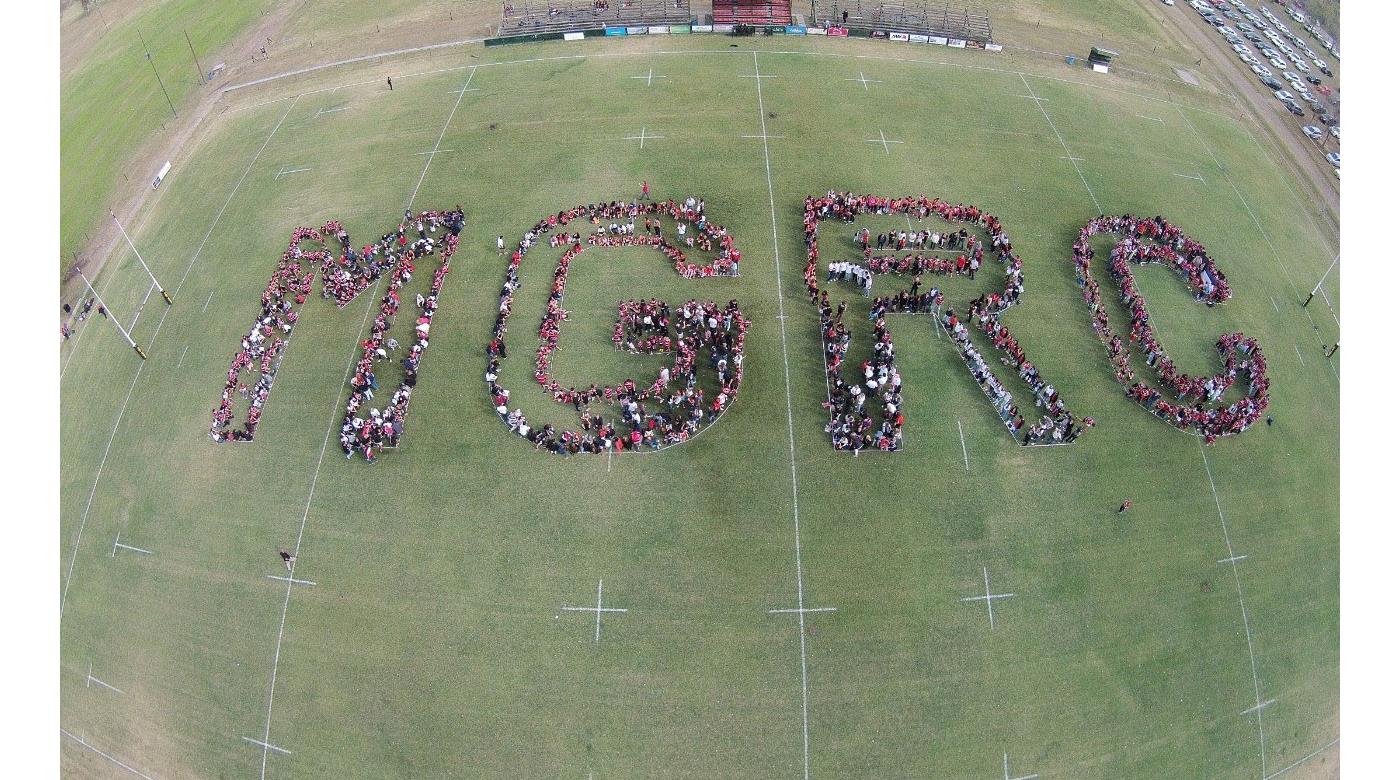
153, 70
112, 317
154, 280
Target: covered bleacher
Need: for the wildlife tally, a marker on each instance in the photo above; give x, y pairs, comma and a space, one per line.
759, 13
925, 17
557, 16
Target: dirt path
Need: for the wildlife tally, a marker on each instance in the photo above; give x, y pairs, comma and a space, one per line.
1301, 156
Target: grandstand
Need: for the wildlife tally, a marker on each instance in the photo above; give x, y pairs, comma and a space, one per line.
906, 16
555, 16
759, 13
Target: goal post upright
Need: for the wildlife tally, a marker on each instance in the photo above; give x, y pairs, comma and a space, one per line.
111, 316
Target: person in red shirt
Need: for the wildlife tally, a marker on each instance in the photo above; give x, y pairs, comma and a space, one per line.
646, 190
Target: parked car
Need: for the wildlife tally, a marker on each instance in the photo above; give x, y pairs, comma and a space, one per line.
1249, 59
1327, 119
1261, 71
1314, 80
1336, 159
1326, 71
1293, 108
1278, 63
1168, 2
1271, 82
1312, 131
1241, 48
1283, 94
1302, 66
1336, 132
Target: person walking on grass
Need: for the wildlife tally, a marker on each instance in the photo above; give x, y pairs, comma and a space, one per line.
646, 191
1125, 506
500, 245
390, 79
287, 559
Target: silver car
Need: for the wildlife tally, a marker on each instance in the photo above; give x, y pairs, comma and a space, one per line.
1312, 131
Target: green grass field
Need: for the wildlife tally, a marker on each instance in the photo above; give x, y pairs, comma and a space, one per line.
433, 643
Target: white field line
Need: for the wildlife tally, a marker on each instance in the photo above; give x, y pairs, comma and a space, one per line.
763, 136
1259, 706
1232, 559
1153, 118
140, 308
963, 440
206, 302
865, 82
1244, 614
1046, 114
807, 609
1302, 760
265, 746
792, 436
301, 530
1275, 303
91, 680
352, 60
115, 761
181, 361
1330, 308
1184, 176
650, 75
332, 110
598, 613
1299, 353
443, 132
1006, 770
292, 580
68, 578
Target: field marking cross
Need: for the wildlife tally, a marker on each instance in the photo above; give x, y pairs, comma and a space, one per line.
989, 597
597, 611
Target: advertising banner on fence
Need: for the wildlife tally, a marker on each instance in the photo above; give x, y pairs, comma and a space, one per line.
796, 29
957, 43
836, 32
816, 31
573, 36
974, 44
993, 47
636, 31
702, 28
614, 30
899, 36
658, 29
916, 38
724, 28
680, 29
938, 40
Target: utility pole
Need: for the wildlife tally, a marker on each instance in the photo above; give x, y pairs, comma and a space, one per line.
142, 261
198, 68
112, 316
153, 70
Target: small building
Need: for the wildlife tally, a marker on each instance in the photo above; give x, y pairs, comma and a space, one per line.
1099, 58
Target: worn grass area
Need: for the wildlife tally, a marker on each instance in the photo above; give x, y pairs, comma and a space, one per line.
433, 644
113, 101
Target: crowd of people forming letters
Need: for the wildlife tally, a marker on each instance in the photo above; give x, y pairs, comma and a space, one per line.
650, 416
1157, 241
344, 276
853, 424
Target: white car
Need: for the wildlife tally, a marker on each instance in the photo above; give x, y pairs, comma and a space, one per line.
1336, 132
1306, 96
1278, 63
1168, 2
1302, 66
1284, 95
1241, 48
1289, 75
1318, 62
1312, 131
1249, 59
1261, 71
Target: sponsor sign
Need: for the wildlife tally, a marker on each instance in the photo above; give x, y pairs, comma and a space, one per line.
938, 40
658, 29
724, 28
573, 36
816, 31
796, 29
614, 30
957, 43
702, 28
993, 47
837, 32
636, 31
916, 38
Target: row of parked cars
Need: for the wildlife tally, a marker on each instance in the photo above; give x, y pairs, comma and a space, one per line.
1278, 46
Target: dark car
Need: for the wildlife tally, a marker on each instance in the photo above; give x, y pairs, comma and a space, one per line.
1294, 109
1271, 82
1314, 80
1327, 119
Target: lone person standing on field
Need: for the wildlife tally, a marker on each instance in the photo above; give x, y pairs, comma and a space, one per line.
1125, 506
390, 79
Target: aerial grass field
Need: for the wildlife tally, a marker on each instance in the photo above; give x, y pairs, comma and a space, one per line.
434, 643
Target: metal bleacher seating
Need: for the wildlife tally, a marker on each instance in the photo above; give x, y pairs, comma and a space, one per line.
907, 16
554, 16
760, 13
